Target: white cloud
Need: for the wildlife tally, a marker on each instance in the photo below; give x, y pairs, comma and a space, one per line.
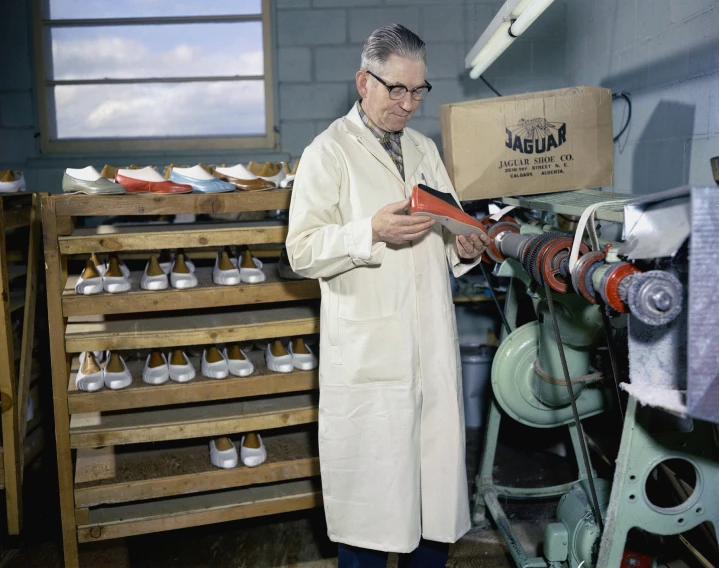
118, 57
158, 110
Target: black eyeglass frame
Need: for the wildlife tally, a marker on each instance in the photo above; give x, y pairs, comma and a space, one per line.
389, 88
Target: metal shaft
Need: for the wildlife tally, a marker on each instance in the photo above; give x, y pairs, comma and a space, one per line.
577, 421
511, 244
612, 358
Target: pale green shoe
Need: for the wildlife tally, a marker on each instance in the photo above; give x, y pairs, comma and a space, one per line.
89, 181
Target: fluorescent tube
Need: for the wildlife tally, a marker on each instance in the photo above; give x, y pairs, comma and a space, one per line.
497, 44
527, 17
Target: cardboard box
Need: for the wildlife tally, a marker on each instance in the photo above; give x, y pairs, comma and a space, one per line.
530, 143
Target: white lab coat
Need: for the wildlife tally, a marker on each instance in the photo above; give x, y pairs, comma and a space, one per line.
391, 422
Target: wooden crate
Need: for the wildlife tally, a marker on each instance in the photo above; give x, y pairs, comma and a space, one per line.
19, 259
152, 472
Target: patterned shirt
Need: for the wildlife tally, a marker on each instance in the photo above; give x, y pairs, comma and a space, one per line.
390, 141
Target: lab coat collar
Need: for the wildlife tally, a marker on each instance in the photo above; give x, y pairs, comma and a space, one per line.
412, 151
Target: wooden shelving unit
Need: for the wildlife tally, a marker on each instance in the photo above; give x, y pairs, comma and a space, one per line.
19, 258
136, 461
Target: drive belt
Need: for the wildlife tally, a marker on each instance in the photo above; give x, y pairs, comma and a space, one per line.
612, 357
577, 422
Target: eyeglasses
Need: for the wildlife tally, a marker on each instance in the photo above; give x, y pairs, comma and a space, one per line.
397, 92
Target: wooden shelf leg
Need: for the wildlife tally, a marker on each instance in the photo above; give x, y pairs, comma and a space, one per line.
55, 267
8, 394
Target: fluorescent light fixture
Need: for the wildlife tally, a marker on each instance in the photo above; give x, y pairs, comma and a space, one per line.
511, 21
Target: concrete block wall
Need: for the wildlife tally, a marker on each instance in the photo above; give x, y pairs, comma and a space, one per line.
18, 123
320, 42
664, 52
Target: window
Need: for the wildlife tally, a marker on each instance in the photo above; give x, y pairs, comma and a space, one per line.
134, 75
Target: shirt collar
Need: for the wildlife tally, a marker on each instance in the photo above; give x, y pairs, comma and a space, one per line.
379, 133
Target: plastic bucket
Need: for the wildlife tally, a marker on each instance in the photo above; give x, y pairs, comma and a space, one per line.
476, 372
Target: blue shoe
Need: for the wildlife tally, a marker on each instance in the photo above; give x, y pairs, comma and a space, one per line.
200, 180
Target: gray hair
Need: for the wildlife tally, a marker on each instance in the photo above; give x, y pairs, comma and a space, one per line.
393, 39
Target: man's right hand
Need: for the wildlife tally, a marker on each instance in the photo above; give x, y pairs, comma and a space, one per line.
391, 225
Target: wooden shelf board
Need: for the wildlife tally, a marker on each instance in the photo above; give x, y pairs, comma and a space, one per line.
205, 295
16, 271
17, 300
205, 253
34, 443
106, 238
148, 204
15, 255
181, 422
122, 474
200, 389
116, 521
210, 327
16, 218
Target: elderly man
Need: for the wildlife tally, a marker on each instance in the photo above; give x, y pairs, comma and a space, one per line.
391, 424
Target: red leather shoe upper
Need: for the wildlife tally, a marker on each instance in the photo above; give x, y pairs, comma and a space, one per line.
425, 203
141, 186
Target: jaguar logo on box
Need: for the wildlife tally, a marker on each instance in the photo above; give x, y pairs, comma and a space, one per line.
536, 136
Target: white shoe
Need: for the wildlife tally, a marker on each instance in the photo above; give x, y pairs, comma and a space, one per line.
281, 364
156, 375
182, 373
239, 172
117, 380
167, 266
229, 277
90, 377
284, 269
287, 182
216, 369
252, 457
11, 181
115, 284
239, 367
226, 459
264, 172
303, 361
183, 280
123, 268
252, 275
148, 173
157, 282
88, 286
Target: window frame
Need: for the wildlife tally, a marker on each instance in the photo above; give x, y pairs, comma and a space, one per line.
99, 145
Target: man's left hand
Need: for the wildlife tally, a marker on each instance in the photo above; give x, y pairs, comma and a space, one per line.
473, 246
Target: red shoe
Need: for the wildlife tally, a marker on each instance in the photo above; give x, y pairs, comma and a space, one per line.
148, 180
443, 209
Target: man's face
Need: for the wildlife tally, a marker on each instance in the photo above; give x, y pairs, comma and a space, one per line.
391, 115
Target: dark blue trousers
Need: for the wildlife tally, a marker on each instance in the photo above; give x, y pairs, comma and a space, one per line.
428, 554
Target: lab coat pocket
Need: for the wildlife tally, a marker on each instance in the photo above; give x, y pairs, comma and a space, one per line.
374, 351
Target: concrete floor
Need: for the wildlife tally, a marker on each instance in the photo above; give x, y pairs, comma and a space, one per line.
294, 540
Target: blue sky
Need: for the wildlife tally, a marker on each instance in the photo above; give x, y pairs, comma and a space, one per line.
145, 51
